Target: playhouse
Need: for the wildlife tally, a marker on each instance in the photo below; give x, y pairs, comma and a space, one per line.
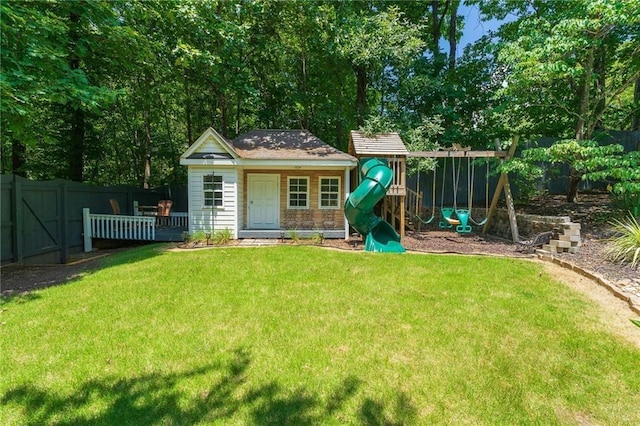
267, 184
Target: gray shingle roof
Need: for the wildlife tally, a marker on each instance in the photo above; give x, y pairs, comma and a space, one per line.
285, 145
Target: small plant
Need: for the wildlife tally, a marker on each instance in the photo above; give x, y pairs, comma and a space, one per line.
196, 237
222, 237
625, 246
294, 235
316, 239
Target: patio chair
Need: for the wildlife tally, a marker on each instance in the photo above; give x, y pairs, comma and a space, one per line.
115, 206
164, 211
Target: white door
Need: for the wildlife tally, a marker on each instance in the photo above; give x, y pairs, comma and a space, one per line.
263, 201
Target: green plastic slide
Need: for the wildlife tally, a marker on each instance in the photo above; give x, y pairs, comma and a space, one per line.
378, 235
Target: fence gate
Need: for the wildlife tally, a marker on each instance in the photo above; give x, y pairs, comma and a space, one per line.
32, 221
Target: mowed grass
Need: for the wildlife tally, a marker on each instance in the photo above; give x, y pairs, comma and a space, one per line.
302, 335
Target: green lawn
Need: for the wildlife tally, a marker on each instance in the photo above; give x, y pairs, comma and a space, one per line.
296, 335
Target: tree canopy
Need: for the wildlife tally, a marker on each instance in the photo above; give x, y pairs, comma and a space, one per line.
112, 92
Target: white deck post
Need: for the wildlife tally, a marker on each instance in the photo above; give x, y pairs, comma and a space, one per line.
347, 188
86, 229
136, 212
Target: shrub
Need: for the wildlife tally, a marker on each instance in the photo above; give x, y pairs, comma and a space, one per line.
294, 235
222, 237
625, 246
316, 239
196, 237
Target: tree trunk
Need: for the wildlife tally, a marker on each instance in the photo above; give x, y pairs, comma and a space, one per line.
75, 152
224, 116
574, 182
147, 149
453, 42
304, 119
583, 98
18, 156
238, 105
581, 124
435, 26
599, 68
361, 94
187, 108
76, 145
635, 122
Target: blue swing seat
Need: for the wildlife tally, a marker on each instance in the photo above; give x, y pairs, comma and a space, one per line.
463, 215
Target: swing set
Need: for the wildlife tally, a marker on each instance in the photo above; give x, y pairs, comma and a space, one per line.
461, 217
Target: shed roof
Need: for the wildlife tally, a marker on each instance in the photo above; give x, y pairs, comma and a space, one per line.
285, 145
380, 144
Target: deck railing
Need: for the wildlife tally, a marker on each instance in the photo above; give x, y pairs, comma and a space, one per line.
398, 186
174, 220
117, 227
122, 227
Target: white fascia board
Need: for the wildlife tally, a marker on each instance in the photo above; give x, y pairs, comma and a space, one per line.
269, 164
208, 162
208, 133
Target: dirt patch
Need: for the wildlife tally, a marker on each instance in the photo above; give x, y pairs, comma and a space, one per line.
16, 279
614, 313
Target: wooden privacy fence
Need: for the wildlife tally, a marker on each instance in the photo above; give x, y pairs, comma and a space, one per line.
42, 222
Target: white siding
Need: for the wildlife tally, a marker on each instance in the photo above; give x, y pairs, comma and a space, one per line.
210, 145
203, 218
240, 200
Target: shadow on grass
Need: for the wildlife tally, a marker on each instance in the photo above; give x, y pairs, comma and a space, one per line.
21, 283
159, 398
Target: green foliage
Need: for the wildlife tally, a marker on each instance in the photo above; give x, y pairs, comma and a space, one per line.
149, 77
423, 138
195, 237
222, 237
568, 63
375, 125
526, 175
625, 246
580, 155
625, 171
294, 235
316, 239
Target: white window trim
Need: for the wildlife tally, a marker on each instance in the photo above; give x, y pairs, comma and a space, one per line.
320, 192
204, 191
289, 192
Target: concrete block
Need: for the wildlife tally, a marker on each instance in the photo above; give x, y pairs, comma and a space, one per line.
571, 225
571, 238
573, 250
561, 244
550, 248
